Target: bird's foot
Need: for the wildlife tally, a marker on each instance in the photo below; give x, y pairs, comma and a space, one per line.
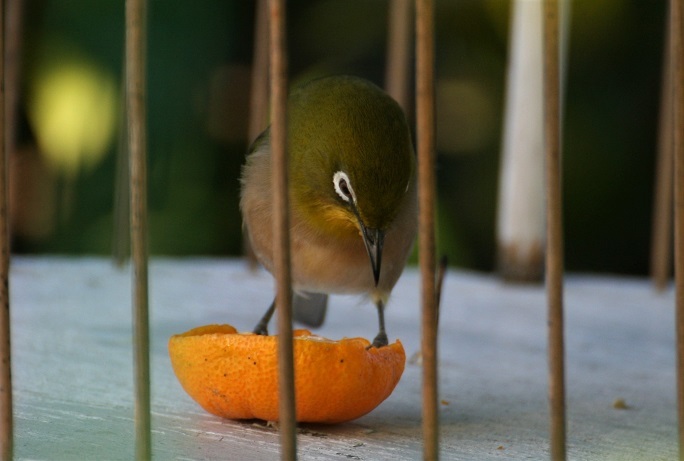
260, 329
379, 341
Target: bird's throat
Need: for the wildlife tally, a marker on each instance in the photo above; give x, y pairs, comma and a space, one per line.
335, 222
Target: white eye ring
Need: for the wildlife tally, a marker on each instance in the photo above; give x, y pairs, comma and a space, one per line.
343, 187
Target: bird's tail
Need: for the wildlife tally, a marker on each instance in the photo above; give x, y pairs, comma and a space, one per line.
310, 308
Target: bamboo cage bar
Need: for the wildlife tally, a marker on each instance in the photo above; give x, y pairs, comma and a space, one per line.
14, 13
677, 79
661, 235
425, 136
136, 110
399, 52
281, 230
6, 407
554, 229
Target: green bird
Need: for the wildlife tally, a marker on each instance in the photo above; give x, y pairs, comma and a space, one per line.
352, 187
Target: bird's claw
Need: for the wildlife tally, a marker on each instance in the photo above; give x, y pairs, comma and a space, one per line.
379, 341
260, 330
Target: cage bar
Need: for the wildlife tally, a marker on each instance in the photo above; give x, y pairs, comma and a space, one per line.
398, 52
554, 229
6, 417
281, 230
677, 79
661, 234
425, 137
135, 110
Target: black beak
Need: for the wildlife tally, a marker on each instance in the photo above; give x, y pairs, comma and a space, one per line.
373, 238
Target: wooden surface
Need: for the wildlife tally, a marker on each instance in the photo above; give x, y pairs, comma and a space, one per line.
73, 366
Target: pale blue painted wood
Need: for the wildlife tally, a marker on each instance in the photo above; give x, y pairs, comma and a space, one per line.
72, 366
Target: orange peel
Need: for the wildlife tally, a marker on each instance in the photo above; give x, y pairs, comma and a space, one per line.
235, 375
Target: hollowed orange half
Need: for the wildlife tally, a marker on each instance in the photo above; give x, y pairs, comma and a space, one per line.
235, 375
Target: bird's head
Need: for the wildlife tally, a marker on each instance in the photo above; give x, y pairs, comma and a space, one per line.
351, 160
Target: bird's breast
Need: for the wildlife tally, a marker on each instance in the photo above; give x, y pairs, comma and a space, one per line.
330, 258
330, 265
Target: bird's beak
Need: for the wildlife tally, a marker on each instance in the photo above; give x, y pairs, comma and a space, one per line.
373, 238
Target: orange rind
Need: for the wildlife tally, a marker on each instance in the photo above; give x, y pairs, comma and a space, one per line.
235, 375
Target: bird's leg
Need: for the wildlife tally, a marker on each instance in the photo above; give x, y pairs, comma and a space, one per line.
381, 338
262, 327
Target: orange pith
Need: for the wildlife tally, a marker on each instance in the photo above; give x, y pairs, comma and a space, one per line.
235, 375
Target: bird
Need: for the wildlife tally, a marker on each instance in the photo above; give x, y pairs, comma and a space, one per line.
352, 195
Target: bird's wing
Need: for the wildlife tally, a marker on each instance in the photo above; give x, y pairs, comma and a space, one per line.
309, 308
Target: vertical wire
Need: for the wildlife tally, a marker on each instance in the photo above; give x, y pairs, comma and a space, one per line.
677, 79
258, 103
398, 52
554, 252
661, 235
136, 113
425, 134
6, 418
281, 234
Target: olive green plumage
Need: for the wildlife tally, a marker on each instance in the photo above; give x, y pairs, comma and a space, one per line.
352, 189
358, 129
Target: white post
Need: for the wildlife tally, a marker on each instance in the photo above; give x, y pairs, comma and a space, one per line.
521, 218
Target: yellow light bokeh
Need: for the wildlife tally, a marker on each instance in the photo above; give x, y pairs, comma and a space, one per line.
72, 108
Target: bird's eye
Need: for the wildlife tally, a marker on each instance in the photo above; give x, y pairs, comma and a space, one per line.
343, 187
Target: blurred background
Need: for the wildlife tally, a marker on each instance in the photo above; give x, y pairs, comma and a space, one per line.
69, 135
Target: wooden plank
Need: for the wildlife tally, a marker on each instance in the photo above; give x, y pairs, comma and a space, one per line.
73, 356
